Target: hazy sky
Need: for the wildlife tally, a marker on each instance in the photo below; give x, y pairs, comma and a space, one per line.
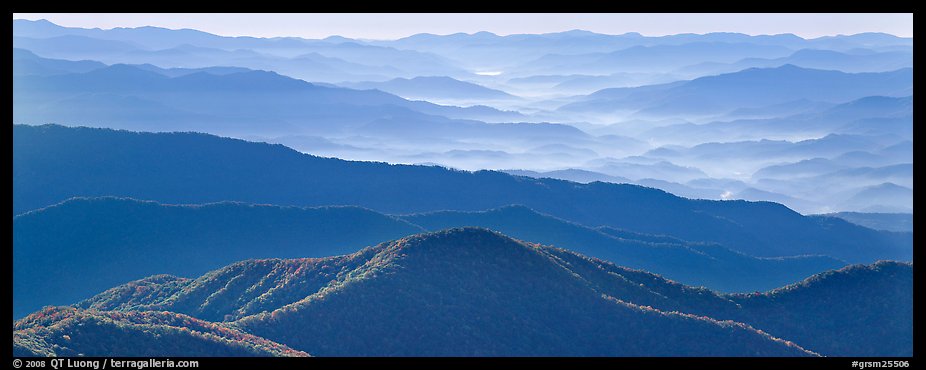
392, 26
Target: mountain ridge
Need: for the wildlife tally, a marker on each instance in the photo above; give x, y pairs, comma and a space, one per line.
438, 87
434, 276
71, 332
696, 264
726, 92
750, 227
443, 271
125, 237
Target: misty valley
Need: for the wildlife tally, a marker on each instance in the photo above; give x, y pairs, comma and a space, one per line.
470, 194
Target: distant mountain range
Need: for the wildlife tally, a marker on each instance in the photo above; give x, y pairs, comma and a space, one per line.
313, 60
48, 158
900, 222
26, 62
870, 115
254, 102
576, 175
882, 198
466, 292
433, 87
816, 59
485, 101
587, 84
810, 176
845, 153
655, 58
470, 49
726, 92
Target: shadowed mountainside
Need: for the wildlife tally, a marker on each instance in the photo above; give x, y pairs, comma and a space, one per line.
467, 292
697, 264
457, 285
108, 241
157, 166
900, 222
859, 310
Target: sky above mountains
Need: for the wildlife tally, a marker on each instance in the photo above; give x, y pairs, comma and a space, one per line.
398, 25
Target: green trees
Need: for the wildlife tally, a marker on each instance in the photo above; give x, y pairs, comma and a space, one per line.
474, 292
67, 331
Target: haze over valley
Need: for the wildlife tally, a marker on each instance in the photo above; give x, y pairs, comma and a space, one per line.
809, 123
571, 193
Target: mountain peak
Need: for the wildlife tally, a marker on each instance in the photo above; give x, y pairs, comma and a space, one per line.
458, 280
37, 21
429, 78
574, 33
466, 283
846, 276
470, 238
125, 70
789, 66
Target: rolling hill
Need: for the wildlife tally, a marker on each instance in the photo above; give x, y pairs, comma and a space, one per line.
485, 48
254, 102
576, 175
109, 241
816, 59
341, 59
900, 222
695, 264
434, 87
461, 292
125, 238
884, 197
475, 292
823, 312
727, 92
70, 332
26, 62
870, 115
655, 58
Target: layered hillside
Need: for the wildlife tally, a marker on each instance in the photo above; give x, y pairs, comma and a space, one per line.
859, 310
466, 291
110, 241
47, 160
459, 292
70, 332
697, 264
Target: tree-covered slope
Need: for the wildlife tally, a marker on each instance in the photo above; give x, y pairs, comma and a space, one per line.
52, 163
697, 264
70, 332
477, 293
468, 291
109, 241
859, 310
